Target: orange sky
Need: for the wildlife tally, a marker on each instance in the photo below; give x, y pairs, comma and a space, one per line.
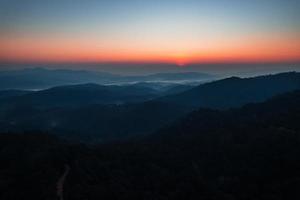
254, 48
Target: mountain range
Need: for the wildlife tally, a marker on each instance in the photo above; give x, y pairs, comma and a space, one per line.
235, 92
96, 113
41, 78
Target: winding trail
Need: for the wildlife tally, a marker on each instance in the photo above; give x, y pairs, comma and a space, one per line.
60, 183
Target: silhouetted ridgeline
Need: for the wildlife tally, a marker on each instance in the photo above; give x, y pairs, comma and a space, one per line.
246, 153
41, 78
82, 95
235, 92
96, 113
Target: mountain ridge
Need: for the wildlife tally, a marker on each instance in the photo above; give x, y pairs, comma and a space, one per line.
234, 91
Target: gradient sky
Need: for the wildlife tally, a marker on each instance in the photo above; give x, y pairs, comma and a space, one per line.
172, 31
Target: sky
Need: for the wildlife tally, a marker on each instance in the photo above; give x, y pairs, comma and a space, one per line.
141, 31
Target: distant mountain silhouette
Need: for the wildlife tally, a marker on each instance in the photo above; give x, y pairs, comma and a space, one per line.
234, 91
179, 76
164, 88
77, 95
40, 78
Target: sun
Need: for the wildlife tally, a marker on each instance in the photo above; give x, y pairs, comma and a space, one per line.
181, 59
181, 63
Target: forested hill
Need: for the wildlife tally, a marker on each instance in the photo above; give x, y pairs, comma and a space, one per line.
234, 92
246, 153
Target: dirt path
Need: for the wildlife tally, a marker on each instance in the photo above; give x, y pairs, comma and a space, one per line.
60, 183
